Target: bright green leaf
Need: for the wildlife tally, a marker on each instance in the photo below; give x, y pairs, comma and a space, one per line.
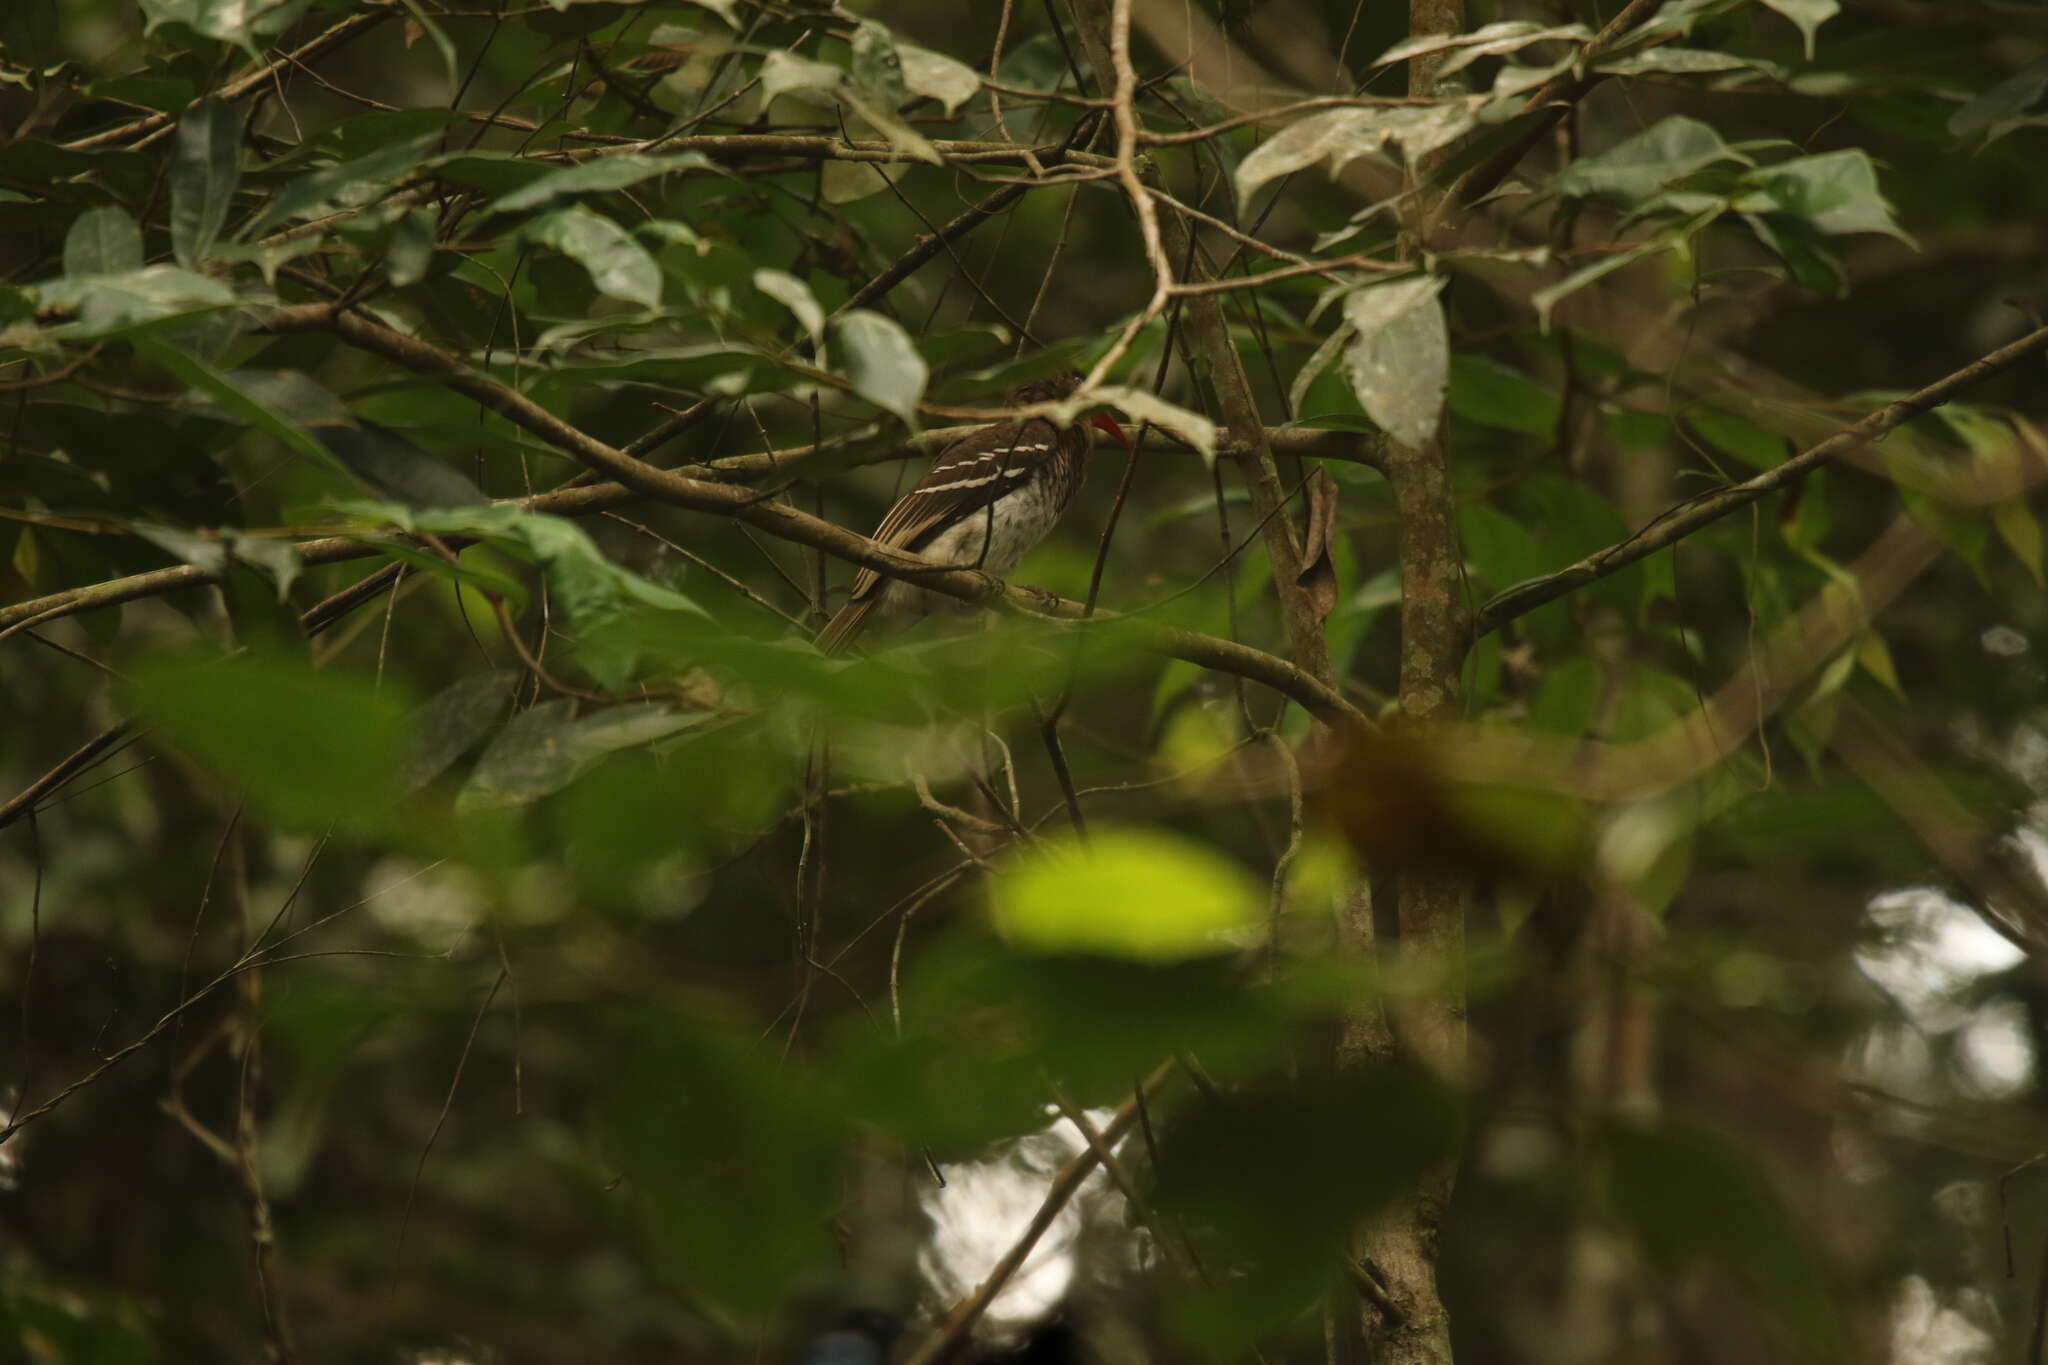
1145, 894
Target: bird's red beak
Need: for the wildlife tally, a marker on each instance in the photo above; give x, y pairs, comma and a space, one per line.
1108, 424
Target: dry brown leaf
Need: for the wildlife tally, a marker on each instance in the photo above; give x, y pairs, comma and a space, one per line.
1318, 574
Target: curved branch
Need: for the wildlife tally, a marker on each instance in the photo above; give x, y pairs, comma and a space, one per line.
1680, 521
684, 488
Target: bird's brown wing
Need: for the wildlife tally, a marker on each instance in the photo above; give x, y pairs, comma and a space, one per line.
966, 477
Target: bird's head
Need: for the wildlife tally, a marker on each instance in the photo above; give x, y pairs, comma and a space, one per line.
1054, 387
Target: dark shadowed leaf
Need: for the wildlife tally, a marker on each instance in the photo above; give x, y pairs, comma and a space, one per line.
1274, 1179
347, 185
1690, 1195
730, 1156
597, 176
451, 723
204, 172
395, 467
546, 747
310, 748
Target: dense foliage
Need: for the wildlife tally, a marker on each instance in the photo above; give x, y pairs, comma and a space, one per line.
1524, 830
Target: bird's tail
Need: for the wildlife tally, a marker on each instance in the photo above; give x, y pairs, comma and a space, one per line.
840, 630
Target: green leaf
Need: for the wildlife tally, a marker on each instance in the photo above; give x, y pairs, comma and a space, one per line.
103, 240
546, 747
2020, 529
597, 176
29, 33
450, 724
205, 169
1400, 363
619, 266
310, 748
347, 185
1809, 15
1343, 135
241, 22
109, 305
1691, 1195
724, 9
2005, 106
1274, 1178
793, 294
284, 403
608, 609
882, 363
1548, 297
1836, 192
411, 253
730, 1153
1144, 894
782, 72
1744, 440
1637, 167
1484, 391
395, 467
937, 76
877, 69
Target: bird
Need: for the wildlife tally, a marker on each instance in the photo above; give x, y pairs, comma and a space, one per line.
987, 499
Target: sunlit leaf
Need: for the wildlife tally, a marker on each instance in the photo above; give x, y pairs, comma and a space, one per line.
109, 305
782, 72
952, 83
103, 241
1809, 15
1400, 363
618, 265
1343, 135
793, 294
882, 362
241, 22
1138, 893
1490, 39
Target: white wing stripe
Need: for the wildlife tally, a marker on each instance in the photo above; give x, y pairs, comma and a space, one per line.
975, 482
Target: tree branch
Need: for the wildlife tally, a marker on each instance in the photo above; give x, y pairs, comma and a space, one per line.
1680, 521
